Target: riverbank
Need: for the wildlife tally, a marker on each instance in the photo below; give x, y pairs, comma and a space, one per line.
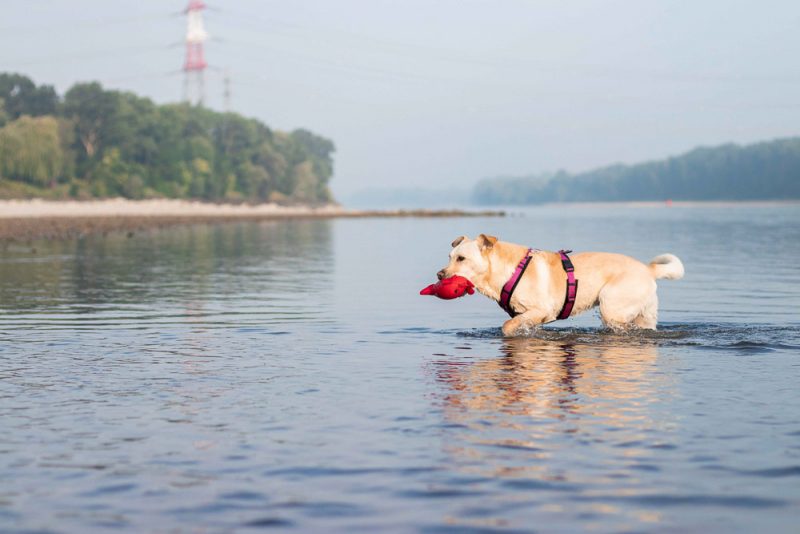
25, 220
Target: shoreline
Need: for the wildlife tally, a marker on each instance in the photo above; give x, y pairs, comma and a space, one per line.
27, 220
32, 219
674, 203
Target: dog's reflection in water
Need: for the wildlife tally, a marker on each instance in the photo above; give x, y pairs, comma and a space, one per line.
537, 388
544, 424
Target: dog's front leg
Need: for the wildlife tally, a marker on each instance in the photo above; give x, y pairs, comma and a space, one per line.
523, 321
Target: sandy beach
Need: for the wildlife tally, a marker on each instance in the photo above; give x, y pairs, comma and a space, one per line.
24, 220
120, 207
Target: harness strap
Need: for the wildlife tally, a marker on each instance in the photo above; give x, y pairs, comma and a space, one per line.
572, 285
511, 285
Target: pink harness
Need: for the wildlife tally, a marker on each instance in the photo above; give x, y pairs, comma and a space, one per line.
511, 285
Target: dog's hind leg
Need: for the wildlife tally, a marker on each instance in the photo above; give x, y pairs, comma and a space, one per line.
629, 301
648, 318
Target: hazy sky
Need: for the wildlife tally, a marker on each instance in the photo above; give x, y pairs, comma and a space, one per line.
438, 93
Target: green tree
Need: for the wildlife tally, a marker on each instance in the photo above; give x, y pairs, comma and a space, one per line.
768, 170
111, 143
95, 113
20, 96
3, 114
30, 150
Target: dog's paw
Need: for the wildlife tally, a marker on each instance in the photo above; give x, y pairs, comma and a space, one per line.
511, 327
517, 328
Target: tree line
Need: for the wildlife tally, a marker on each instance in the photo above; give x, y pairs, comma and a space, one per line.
762, 171
96, 143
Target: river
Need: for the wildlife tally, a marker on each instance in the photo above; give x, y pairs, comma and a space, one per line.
288, 376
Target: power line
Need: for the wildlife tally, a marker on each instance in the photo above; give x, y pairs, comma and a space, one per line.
145, 76
88, 54
359, 70
414, 50
86, 23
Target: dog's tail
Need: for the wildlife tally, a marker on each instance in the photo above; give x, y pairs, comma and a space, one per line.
666, 266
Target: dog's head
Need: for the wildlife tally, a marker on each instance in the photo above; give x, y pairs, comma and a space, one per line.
469, 258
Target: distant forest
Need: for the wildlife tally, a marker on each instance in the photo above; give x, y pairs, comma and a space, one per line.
762, 171
96, 143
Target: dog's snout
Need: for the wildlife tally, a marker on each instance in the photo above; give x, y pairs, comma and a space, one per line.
440, 274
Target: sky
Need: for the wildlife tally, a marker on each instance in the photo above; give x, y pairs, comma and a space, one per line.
439, 94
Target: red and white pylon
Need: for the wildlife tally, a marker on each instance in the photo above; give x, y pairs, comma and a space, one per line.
195, 65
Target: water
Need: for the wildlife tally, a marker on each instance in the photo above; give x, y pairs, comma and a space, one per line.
288, 376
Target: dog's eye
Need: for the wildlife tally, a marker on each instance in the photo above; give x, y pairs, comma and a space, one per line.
460, 258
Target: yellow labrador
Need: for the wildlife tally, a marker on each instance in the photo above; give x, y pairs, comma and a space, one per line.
624, 288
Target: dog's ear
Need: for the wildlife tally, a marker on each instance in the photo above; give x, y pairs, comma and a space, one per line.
486, 241
457, 241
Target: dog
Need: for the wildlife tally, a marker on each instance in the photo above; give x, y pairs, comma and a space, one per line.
623, 287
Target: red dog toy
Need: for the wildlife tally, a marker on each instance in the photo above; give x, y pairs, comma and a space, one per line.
449, 288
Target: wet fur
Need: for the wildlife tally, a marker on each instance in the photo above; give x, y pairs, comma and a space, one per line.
623, 287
